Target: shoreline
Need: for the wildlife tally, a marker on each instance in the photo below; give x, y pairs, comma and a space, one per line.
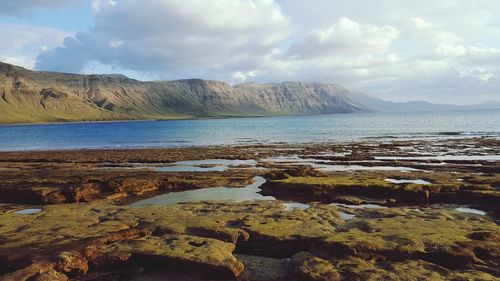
454, 136
174, 119
188, 118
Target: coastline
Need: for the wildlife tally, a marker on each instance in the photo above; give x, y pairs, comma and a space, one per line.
277, 115
177, 119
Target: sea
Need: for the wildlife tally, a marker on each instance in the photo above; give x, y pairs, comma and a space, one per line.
250, 131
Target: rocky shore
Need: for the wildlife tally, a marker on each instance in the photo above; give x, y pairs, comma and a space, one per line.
373, 210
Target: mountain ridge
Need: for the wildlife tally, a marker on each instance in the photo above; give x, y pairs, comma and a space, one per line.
28, 96
33, 96
409, 106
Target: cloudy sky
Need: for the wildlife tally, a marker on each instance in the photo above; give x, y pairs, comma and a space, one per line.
444, 51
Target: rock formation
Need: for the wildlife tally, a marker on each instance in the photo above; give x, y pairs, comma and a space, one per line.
31, 96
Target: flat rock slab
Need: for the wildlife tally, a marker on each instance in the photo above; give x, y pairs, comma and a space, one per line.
209, 256
79, 240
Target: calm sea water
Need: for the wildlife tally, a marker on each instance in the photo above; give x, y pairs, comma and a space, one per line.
238, 131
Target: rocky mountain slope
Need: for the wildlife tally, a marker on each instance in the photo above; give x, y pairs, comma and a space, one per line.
31, 96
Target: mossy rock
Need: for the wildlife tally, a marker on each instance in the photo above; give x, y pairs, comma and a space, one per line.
182, 252
310, 268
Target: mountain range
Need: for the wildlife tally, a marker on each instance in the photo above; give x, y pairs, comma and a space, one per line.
28, 96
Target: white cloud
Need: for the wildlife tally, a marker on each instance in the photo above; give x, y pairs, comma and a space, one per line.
480, 73
345, 36
426, 30
178, 38
449, 50
477, 62
97, 5
421, 23
26, 41
240, 76
461, 51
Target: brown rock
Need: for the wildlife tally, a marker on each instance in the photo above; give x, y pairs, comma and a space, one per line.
28, 273
51, 275
310, 268
183, 252
72, 263
134, 186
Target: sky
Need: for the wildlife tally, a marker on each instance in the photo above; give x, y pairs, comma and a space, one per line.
445, 51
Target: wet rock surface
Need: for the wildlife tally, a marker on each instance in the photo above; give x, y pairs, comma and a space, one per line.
473, 189
417, 227
80, 185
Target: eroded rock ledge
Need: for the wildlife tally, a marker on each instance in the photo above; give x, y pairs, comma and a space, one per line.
102, 242
86, 231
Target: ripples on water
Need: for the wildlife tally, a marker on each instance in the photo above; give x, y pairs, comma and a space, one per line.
290, 129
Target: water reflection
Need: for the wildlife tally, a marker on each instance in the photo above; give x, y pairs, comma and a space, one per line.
250, 192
